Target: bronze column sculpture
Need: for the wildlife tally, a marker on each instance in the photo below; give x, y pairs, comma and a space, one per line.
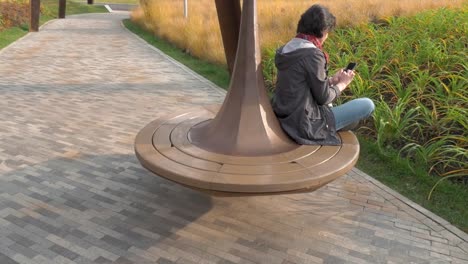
229, 17
245, 125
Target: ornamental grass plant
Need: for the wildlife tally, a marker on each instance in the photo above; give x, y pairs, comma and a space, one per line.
199, 34
13, 14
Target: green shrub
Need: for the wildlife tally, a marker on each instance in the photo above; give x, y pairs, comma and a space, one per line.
415, 69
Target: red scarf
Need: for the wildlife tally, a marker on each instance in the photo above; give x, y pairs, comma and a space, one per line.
314, 41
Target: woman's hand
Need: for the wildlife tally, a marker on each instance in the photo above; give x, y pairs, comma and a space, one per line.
333, 80
343, 78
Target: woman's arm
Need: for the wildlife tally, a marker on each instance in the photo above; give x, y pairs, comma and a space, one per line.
322, 90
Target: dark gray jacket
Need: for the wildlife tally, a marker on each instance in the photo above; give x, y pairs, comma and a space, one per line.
302, 96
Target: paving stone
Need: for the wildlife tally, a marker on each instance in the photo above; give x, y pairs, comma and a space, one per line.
6, 260
73, 97
116, 242
64, 252
25, 242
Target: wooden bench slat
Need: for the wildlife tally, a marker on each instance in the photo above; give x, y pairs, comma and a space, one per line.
163, 147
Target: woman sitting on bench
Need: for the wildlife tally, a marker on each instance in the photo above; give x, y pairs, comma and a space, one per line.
304, 91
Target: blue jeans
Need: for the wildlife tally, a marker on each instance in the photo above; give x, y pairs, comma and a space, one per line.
350, 113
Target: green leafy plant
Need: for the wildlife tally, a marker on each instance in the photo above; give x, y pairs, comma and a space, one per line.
418, 81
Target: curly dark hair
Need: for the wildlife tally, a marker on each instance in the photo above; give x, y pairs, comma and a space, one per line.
316, 20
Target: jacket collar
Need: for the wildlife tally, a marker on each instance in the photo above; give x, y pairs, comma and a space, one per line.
297, 43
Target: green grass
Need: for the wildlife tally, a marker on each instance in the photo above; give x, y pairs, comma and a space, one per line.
415, 70
448, 200
11, 34
49, 11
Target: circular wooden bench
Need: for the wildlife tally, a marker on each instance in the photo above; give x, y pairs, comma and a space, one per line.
164, 147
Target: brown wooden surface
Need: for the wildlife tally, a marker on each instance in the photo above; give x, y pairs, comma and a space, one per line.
164, 148
182, 142
62, 8
153, 160
34, 13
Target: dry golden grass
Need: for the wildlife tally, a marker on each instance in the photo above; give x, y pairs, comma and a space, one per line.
199, 34
13, 14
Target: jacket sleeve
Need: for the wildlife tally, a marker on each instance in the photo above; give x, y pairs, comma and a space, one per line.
317, 79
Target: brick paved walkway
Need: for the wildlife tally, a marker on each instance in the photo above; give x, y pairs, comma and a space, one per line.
73, 97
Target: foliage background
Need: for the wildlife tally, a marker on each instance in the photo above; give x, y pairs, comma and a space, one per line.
13, 13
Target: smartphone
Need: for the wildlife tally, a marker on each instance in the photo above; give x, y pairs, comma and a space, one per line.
351, 66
